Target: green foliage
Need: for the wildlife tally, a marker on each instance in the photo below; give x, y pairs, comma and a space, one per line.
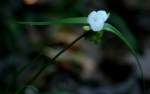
78, 20
89, 35
110, 28
94, 37
113, 30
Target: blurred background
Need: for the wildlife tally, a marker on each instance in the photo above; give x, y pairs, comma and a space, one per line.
86, 68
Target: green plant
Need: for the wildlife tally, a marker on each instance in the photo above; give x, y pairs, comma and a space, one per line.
89, 34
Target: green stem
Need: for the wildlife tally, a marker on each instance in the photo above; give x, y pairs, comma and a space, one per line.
24, 67
52, 61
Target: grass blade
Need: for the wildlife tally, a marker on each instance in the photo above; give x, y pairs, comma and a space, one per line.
110, 28
77, 20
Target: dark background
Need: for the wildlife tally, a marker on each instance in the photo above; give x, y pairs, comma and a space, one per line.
86, 68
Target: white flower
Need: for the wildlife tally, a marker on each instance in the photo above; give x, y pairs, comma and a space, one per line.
97, 19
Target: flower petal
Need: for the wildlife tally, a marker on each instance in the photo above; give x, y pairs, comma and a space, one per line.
98, 26
91, 16
102, 15
96, 19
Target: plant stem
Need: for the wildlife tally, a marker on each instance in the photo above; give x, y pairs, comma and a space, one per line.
24, 67
46, 64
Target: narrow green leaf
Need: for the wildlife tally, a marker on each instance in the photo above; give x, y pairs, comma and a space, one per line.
77, 20
110, 28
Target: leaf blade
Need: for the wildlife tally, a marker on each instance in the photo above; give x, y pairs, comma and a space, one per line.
110, 28
76, 20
